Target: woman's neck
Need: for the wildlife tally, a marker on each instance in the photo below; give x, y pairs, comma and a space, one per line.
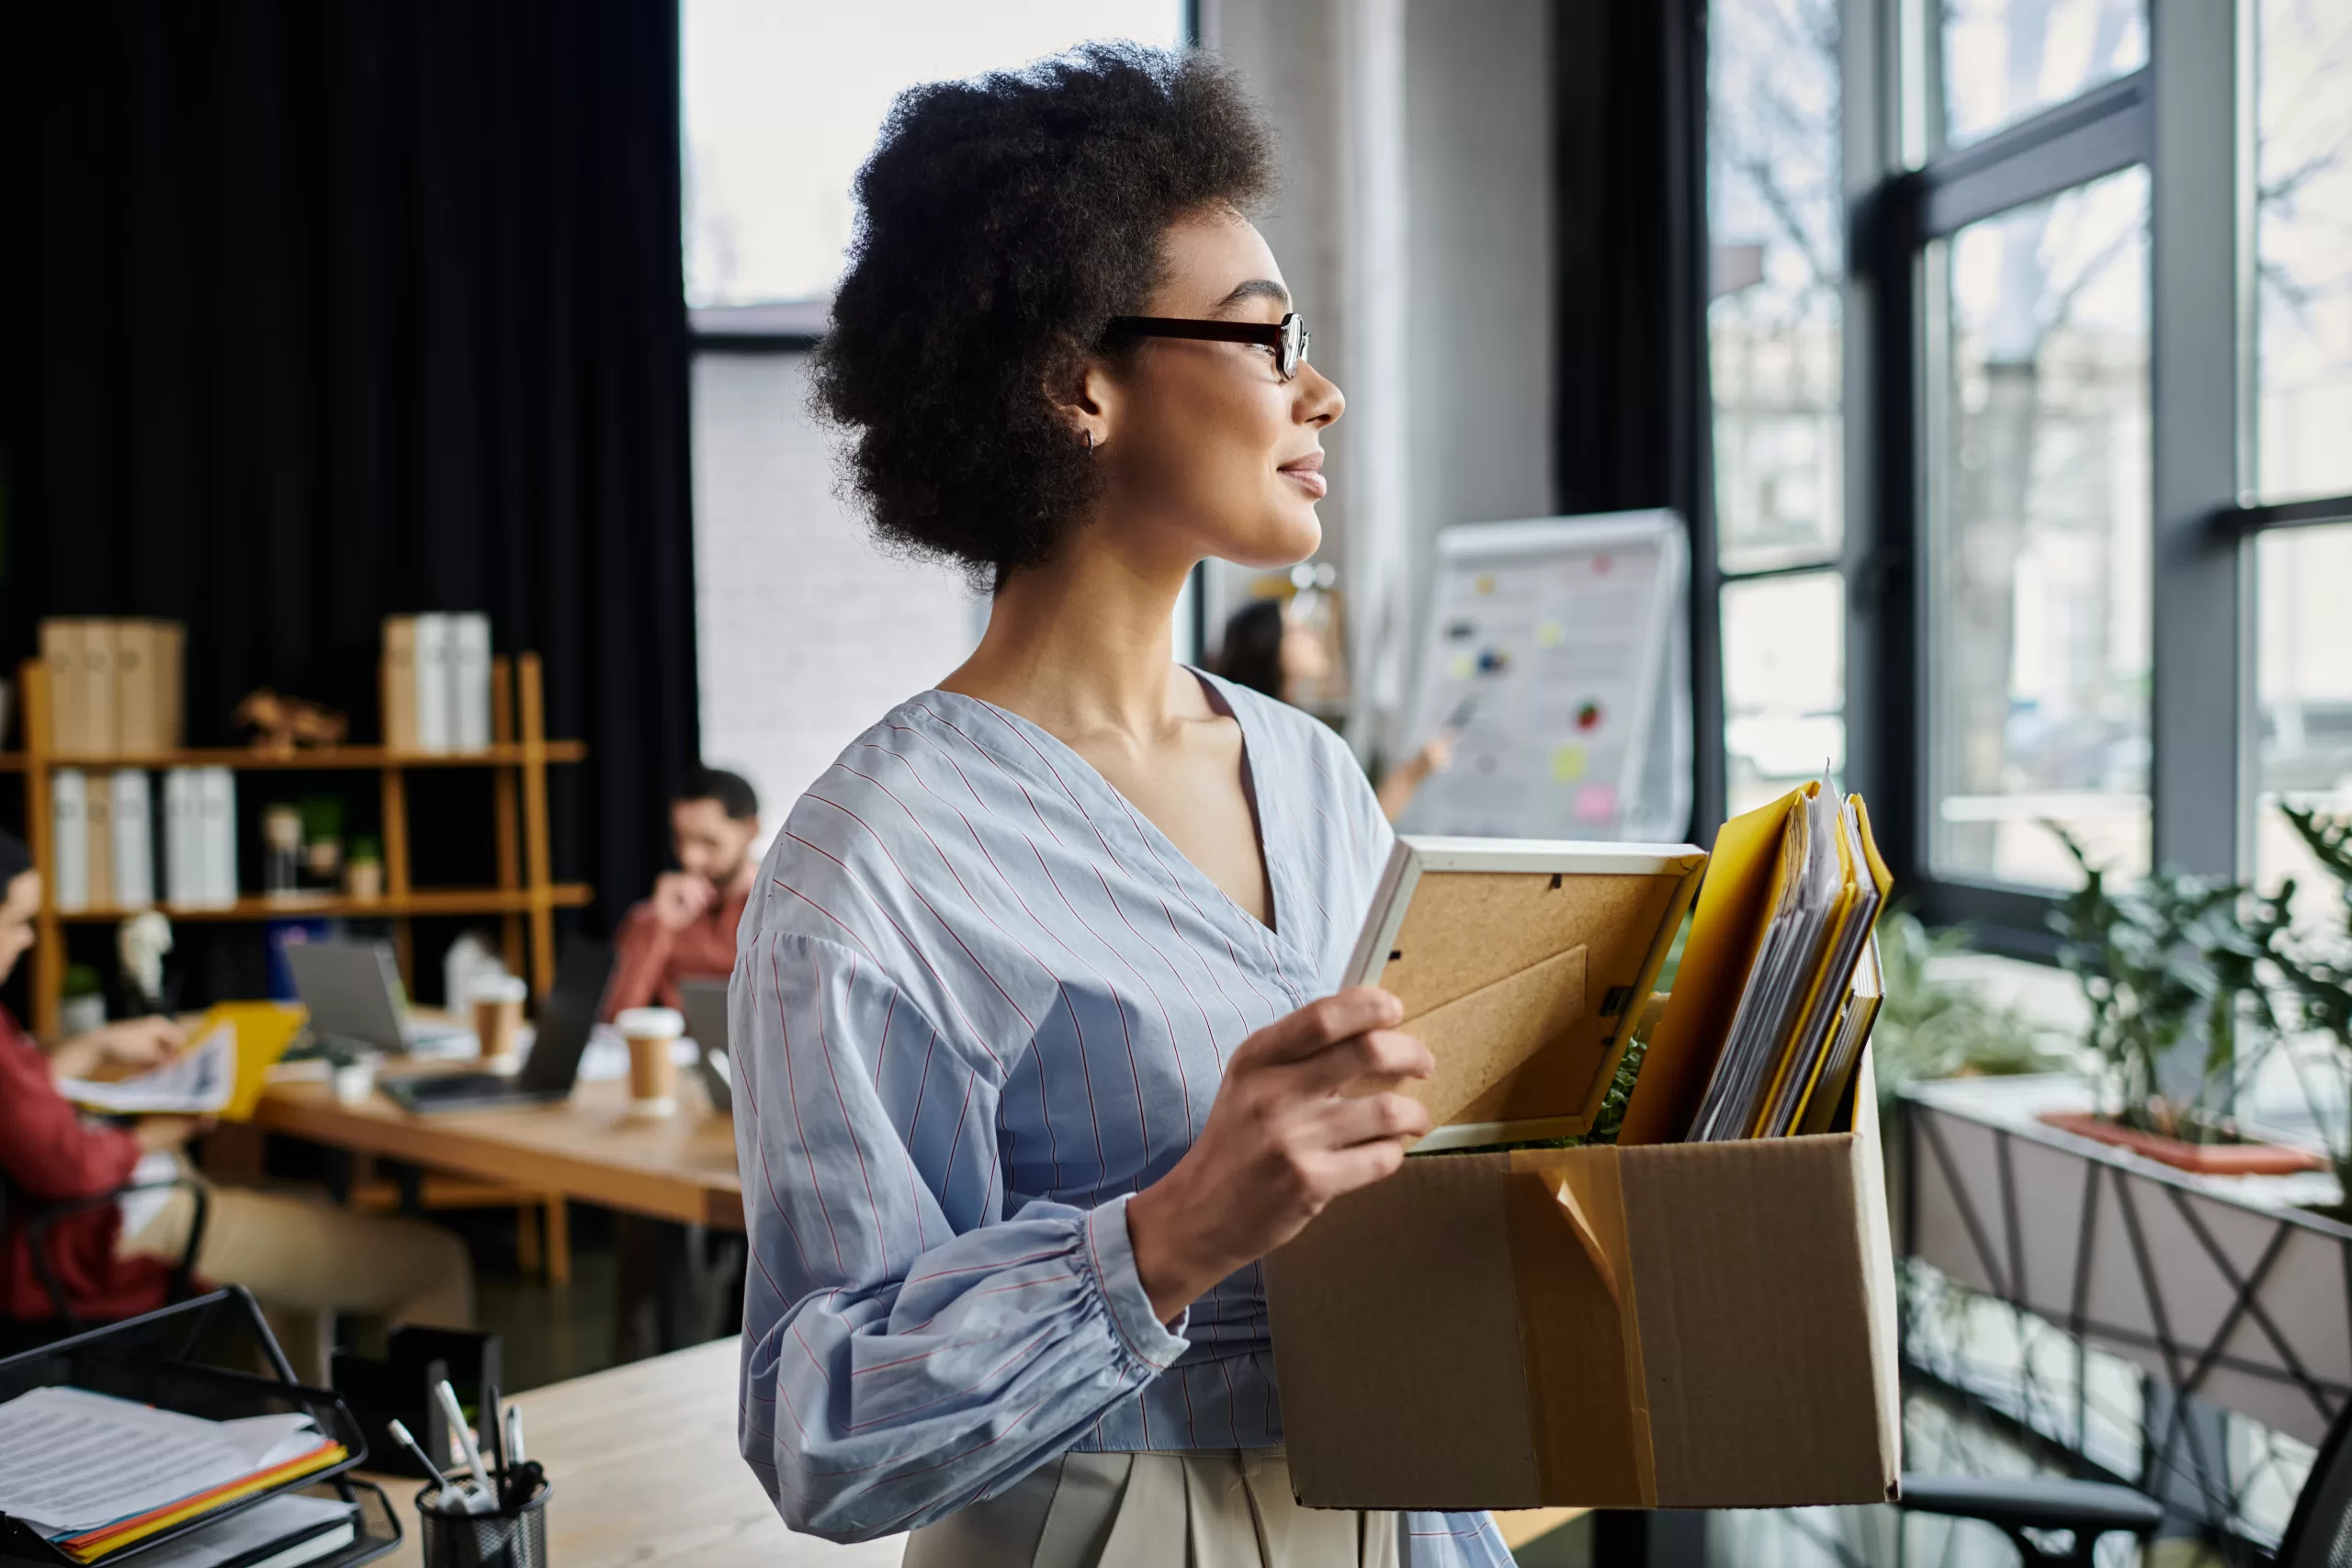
1081, 646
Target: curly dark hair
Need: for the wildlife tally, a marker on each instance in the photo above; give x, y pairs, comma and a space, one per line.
1001, 224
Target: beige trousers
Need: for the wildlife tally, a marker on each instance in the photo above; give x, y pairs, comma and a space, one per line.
1201, 1508
304, 1259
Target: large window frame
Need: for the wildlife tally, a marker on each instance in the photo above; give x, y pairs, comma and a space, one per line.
2187, 117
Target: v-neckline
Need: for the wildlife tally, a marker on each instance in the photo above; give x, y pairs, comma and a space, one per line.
1164, 848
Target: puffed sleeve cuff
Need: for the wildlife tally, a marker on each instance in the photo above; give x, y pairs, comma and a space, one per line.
1111, 1258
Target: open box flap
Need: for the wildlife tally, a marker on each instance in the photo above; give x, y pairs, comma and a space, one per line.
1524, 966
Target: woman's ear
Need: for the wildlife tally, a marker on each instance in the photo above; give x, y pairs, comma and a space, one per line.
1088, 402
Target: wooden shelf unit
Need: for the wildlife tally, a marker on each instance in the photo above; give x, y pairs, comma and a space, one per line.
526, 894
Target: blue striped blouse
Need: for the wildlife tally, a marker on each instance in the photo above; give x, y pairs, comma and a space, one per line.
978, 1001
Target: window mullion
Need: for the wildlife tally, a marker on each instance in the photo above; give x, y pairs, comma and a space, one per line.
2198, 661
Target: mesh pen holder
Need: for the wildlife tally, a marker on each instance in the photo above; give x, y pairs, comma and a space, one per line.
511, 1538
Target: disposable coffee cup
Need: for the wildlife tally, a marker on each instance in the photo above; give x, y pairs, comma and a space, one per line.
652, 1069
498, 1016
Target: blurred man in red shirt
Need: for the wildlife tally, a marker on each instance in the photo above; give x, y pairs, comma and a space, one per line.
686, 930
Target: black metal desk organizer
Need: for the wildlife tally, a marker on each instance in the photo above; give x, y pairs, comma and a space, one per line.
215, 1358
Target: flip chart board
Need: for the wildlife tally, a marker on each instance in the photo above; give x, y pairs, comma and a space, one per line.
1557, 649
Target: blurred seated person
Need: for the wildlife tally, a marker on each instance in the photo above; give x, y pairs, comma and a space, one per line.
686, 930
1267, 651
301, 1259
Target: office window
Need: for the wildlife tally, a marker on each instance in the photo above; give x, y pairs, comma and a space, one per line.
2303, 248
1784, 683
1774, 338
783, 103
2303, 686
2006, 60
2038, 536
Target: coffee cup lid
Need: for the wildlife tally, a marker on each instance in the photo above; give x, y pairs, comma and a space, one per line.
500, 989
650, 1020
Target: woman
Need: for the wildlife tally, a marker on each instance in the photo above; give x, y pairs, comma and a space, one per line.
1034, 1068
301, 1259
1267, 651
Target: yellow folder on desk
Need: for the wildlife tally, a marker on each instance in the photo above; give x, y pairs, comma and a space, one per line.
265, 1030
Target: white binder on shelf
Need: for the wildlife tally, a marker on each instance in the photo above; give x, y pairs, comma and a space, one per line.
134, 840
217, 803
182, 830
69, 878
436, 718
469, 683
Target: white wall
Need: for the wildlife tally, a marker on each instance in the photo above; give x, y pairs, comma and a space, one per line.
805, 633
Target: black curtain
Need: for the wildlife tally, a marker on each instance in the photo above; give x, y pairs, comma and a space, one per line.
319, 311
1634, 420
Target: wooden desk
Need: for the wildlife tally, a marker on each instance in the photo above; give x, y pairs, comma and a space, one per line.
643, 1462
646, 1473
588, 1149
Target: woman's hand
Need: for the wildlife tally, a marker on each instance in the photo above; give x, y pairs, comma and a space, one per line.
168, 1135
134, 1045
139, 1042
1306, 1112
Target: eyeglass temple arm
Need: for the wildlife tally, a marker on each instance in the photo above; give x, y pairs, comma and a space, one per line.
1205, 331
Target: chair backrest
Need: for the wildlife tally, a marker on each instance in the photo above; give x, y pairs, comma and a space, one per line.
2319, 1535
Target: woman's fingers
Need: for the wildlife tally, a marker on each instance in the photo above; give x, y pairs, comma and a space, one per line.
1346, 1123
1362, 1064
1302, 1033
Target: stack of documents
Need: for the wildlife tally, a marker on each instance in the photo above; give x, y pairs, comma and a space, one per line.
94, 1474
1778, 983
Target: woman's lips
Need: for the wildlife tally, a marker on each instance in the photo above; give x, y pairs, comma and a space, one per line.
1307, 474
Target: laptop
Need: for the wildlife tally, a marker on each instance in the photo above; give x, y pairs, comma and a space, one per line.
566, 1016
706, 1022
353, 990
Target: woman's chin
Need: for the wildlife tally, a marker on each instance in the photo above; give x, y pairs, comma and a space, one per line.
1281, 540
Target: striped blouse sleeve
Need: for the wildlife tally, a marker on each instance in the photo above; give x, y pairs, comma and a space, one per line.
907, 1348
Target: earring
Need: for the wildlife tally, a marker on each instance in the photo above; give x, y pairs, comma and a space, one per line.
1090, 443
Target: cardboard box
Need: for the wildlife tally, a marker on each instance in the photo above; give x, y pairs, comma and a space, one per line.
1678, 1326
1665, 1325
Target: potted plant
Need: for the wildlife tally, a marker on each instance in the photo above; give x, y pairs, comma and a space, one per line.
363, 869
2316, 974
2177, 971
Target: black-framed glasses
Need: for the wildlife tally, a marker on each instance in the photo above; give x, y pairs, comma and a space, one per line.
1288, 338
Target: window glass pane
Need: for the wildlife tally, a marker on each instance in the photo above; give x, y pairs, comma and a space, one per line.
783, 103
2303, 228
1784, 683
2036, 609
2004, 60
2303, 685
1773, 325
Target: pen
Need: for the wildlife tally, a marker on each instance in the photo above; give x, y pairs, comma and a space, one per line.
497, 1431
515, 1454
400, 1436
482, 1499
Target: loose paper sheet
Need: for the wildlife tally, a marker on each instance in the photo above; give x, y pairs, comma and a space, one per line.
196, 1082
72, 1460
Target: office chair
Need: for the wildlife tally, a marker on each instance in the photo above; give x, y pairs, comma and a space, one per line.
22, 1334
2319, 1533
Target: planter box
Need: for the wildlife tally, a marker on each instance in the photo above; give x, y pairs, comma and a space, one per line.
2219, 1286
2249, 1158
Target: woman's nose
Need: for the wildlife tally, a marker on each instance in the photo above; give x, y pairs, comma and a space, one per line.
1321, 401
